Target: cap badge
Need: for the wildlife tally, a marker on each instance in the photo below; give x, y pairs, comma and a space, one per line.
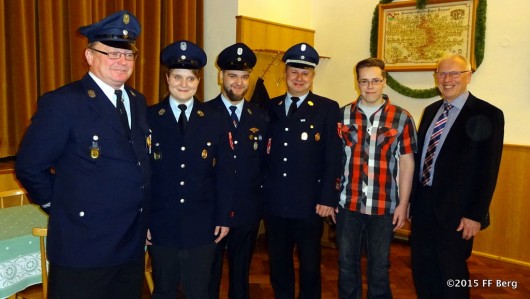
161, 111
239, 51
183, 57
183, 46
303, 47
302, 57
91, 93
239, 59
126, 19
125, 33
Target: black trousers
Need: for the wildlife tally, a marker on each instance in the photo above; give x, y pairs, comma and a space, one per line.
239, 245
120, 281
283, 234
438, 255
188, 268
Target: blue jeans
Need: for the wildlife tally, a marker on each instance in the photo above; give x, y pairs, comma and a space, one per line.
377, 231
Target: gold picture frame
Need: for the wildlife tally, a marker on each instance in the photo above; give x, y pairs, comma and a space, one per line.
412, 39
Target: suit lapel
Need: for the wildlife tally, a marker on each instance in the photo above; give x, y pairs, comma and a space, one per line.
98, 101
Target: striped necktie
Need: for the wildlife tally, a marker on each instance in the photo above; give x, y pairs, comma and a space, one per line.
433, 143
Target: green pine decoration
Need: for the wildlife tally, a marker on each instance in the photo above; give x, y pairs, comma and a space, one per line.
480, 38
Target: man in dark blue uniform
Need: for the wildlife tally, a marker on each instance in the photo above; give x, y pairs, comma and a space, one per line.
192, 183
303, 176
84, 160
247, 124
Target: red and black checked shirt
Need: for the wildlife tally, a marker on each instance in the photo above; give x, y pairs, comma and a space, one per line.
370, 157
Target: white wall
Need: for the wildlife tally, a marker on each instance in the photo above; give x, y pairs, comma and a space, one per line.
342, 32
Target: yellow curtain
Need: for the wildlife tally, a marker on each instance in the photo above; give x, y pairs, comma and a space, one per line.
41, 50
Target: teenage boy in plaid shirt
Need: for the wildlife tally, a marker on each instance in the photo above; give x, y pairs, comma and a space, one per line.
379, 141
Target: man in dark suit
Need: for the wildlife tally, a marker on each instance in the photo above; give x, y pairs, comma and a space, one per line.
303, 177
192, 191
247, 125
84, 160
460, 141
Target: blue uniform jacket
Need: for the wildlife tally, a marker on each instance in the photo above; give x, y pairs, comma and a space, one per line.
97, 192
191, 176
249, 144
304, 158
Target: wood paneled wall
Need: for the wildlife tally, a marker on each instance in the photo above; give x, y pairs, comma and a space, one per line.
269, 41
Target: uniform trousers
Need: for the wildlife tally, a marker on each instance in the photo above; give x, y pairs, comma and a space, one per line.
283, 234
239, 244
438, 254
188, 268
120, 281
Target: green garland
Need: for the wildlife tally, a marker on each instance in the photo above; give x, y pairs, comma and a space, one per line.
480, 38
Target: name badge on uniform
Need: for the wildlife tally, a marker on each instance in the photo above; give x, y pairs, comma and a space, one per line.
94, 149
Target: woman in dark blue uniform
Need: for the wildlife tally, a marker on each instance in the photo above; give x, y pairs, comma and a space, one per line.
191, 177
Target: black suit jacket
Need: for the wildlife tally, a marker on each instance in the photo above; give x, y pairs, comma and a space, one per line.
304, 158
191, 176
248, 144
467, 166
98, 202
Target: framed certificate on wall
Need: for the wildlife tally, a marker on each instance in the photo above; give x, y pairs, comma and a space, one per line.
412, 39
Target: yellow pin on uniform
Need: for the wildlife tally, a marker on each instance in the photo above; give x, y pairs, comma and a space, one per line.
94, 149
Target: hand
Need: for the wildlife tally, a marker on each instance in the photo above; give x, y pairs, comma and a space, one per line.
400, 216
333, 216
148, 238
469, 228
222, 231
324, 211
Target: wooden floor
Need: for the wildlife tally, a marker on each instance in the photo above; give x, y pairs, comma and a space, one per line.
482, 269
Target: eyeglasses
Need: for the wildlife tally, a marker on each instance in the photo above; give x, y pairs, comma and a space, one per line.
367, 82
117, 55
452, 74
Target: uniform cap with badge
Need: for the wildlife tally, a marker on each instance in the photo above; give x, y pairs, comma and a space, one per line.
238, 57
118, 30
183, 54
301, 55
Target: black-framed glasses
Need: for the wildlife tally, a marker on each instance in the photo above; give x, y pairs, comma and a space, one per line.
374, 82
452, 74
117, 55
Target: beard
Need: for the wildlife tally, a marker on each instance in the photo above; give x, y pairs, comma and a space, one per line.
233, 96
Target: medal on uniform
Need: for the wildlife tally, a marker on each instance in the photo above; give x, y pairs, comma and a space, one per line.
204, 154
157, 155
255, 145
304, 136
148, 142
94, 149
317, 136
230, 140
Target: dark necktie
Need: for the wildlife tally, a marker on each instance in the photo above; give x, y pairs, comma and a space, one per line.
433, 143
293, 106
121, 109
233, 115
183, 121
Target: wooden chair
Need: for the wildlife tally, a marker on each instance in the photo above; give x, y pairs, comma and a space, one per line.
149, 273
39, 291
11, 198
